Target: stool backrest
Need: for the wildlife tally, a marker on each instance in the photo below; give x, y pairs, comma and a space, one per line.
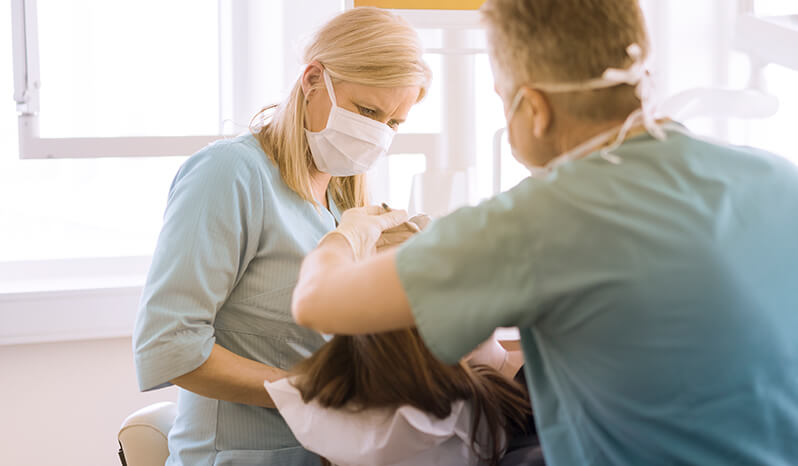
143, 435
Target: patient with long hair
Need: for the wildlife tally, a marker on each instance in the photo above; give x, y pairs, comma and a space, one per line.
385, 399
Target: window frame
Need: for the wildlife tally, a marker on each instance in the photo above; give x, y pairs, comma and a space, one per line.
434, 19
25, 42
70, 299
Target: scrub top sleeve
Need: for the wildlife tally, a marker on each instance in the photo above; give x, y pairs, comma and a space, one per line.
467, 274
211, 230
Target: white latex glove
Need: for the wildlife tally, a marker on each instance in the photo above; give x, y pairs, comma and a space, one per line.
398, 235
363, 226
421, 220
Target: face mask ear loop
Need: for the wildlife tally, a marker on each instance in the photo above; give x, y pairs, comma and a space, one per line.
329, 86
331, 94
519, 95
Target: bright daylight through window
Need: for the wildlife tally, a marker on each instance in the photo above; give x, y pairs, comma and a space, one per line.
110, 68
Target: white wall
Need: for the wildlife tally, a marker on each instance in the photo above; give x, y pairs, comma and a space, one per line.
62, 403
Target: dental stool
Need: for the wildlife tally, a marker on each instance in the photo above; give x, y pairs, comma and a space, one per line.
142, 437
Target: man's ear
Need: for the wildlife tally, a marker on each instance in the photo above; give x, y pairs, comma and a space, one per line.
311, 77
537, 109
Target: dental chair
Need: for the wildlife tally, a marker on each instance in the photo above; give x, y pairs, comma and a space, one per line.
142, 436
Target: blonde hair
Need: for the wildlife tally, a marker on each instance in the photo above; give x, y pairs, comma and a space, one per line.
366, 46
537, 41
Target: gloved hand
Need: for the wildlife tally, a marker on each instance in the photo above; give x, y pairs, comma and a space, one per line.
398, 235
363, 226
421, 220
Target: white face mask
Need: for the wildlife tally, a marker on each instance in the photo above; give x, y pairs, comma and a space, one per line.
351, 143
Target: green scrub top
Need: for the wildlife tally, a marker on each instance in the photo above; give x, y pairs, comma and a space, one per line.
657, 301
226, 263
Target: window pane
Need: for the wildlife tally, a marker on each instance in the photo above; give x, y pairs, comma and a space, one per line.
775, 7
490, 119
122, 68
776, 134
63, 209
402, 169
425, 117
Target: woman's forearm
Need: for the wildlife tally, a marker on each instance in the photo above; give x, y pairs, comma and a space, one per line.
230, 377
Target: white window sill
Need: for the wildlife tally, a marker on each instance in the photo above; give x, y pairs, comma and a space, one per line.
78, 299
84, 299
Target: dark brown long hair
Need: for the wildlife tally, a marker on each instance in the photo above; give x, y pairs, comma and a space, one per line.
392, 369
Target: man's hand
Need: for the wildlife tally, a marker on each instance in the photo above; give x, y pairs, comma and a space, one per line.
398, 235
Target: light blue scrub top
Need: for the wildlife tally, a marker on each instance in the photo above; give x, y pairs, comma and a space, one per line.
225, 266
657, 301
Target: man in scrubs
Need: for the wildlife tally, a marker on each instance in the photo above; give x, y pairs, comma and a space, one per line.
653, 274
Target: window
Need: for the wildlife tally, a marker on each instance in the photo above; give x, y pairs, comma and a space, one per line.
698, 44
692, 47
117, 79
461, 108
120, 84
89, 71
110, 69
774, 7
113, 68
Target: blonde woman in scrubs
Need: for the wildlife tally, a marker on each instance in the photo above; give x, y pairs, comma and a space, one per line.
653, 274
242, 213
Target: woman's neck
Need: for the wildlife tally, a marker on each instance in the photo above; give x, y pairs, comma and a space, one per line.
318, 184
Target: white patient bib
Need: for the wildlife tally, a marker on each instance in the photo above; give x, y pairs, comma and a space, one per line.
403, 437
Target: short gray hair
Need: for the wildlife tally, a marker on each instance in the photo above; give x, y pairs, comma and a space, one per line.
552, 41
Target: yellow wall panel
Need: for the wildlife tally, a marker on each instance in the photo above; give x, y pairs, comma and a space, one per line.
423, 4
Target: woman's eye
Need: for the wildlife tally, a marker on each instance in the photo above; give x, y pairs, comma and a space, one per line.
393, 124
367, 111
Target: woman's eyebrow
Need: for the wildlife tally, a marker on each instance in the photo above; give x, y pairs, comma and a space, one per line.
374, 107
377, 109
